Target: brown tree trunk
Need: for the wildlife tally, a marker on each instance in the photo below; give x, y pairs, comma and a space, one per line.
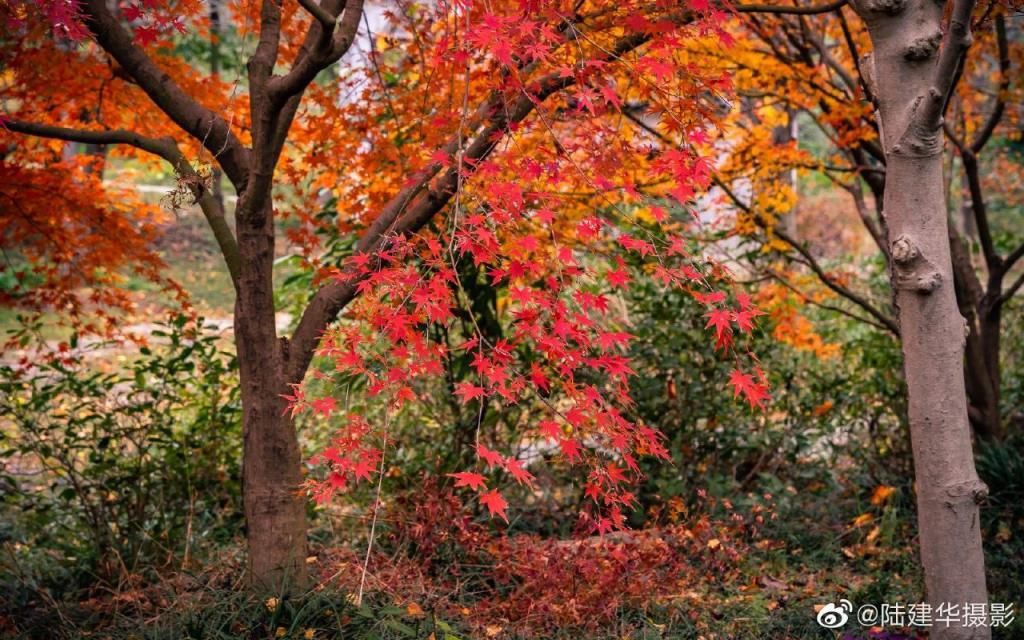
914, 69
275, 510
990, 320
981, 372
982, 312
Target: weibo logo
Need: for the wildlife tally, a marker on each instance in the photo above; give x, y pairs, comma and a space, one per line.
833, 616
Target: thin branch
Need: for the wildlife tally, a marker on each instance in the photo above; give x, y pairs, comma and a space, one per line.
165, 148
327, 21
323, 47
831, 62
1012, 291
978, 206
198, 121
782, 9
156, 146
829, 282
965, 278
879, 235
884, 320
264, 58
1004, 84
851, 45
1013, 257
828, 307
947, 69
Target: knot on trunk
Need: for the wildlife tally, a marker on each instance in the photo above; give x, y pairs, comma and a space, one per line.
911, 270
923, 47
923, 136
891, 7
974, 490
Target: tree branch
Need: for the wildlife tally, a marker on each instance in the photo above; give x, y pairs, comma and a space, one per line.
851, 46
275, 99
198, 121
1004, 84
414, 206
946, 73
828, 307
884, 320
1012, 290
327, 21
165, 148
324, 46
782, 9
878, 234
850, 295
965, 279
1013, 257
978, 207
156, 146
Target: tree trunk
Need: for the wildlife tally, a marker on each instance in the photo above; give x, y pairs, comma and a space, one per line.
981, 310
913, 74
990, 320
275, 510
981, 371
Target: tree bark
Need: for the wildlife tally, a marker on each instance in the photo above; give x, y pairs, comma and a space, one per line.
275, 508
914, 70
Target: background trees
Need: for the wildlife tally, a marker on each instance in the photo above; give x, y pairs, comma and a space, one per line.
813, 70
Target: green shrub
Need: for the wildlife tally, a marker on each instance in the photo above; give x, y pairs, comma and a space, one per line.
109, 475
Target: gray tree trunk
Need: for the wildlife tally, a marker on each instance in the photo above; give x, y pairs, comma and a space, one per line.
914, 68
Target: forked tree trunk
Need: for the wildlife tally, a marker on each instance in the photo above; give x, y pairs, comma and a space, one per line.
913, 72
275, 510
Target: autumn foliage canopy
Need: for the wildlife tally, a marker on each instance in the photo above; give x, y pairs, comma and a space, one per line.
512, 114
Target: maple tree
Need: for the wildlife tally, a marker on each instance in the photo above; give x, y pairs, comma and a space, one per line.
471, 133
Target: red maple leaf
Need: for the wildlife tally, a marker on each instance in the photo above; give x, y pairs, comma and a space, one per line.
755, 392
516, 470
132, 12
618, 278
745, 319
469, 479
146, 35
721, 320
336, 480
495, 504
611, 339
363, 469
713, 297
468, 391
492, 458
550, 429
615, 473
570, 448
324, 406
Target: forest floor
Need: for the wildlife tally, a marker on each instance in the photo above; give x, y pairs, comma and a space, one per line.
759, 572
